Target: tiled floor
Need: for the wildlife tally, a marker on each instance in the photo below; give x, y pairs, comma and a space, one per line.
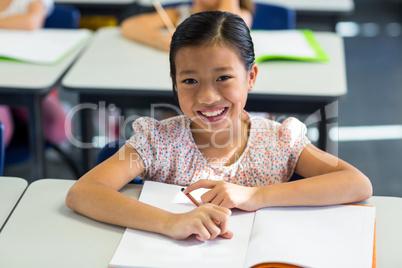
374, 75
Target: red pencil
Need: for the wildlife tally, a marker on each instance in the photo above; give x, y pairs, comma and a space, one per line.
195, 202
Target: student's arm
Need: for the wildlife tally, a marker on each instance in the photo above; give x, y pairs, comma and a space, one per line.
97, 196
328, 181
149, 29
233, 6
33, 19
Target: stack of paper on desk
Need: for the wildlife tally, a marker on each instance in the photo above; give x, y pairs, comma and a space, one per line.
287, 44
44, 46
334, 236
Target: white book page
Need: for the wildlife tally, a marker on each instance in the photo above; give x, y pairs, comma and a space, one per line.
334, 236
290, 43
43, 46
144, 249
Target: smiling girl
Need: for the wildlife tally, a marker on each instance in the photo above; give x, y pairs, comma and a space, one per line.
245, 161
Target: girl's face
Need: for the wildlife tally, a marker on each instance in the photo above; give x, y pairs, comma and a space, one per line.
212, 86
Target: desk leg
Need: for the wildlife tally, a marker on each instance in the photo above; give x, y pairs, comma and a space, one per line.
87, 134
323, 132
36, 139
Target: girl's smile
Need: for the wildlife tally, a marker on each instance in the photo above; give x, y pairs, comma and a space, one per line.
213, 115
212, 86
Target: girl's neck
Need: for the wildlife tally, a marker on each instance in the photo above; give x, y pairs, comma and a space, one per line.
225, 146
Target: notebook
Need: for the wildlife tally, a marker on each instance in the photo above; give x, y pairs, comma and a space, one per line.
43, 46
287, 44
332, 236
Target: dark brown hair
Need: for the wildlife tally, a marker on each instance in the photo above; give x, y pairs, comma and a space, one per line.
212, 28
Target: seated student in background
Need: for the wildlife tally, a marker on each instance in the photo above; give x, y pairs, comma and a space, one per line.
148, 28
245, 161
30, 15
24, 14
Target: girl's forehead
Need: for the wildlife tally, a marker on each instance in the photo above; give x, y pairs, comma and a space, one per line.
204, 50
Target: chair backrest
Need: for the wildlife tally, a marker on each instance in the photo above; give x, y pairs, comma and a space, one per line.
110, 149
2, 147
273, 17
63, 16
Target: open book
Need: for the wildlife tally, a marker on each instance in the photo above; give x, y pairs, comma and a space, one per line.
287, 44
333, 236
43, 46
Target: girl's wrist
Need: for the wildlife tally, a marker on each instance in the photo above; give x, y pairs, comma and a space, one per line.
260, 197
168, 223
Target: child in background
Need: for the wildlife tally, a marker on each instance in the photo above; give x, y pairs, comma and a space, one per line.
245, 161
30, 15
148, 28
24, 14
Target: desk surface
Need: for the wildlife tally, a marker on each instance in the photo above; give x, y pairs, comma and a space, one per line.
333, 6
11, 190
113, 63
22, 77
51, 235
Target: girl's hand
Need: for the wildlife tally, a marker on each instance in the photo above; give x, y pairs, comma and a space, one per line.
200, 222
226, 194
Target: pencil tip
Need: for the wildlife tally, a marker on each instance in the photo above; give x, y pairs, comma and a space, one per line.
182, 189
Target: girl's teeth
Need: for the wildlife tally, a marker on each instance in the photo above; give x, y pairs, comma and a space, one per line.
214, 113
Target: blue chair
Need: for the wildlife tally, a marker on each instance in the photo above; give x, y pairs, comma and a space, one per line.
272, 17
2, 147
63, 16
110, 149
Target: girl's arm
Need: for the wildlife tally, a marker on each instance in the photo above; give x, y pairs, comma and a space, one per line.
149, 29
233, 6
97, 196
33, 19
328, 181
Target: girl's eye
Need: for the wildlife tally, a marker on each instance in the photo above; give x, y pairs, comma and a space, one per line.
223, 78
189, 81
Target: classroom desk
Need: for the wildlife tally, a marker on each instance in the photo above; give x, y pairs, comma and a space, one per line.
328, 11
128, 74
43, 232
328, 7
11, 189
26, 84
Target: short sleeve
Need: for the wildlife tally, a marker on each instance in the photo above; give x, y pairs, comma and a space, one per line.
293, 139
142, 140
49, 6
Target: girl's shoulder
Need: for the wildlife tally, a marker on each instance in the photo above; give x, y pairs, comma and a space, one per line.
289, 129
170, 126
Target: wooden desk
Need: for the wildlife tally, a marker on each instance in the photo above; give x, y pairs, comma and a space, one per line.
48, 234
128, 74
11, 189
26, 84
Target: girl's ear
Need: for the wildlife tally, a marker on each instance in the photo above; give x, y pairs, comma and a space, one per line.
252, 76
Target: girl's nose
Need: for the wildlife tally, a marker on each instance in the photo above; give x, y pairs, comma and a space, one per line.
208, 95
